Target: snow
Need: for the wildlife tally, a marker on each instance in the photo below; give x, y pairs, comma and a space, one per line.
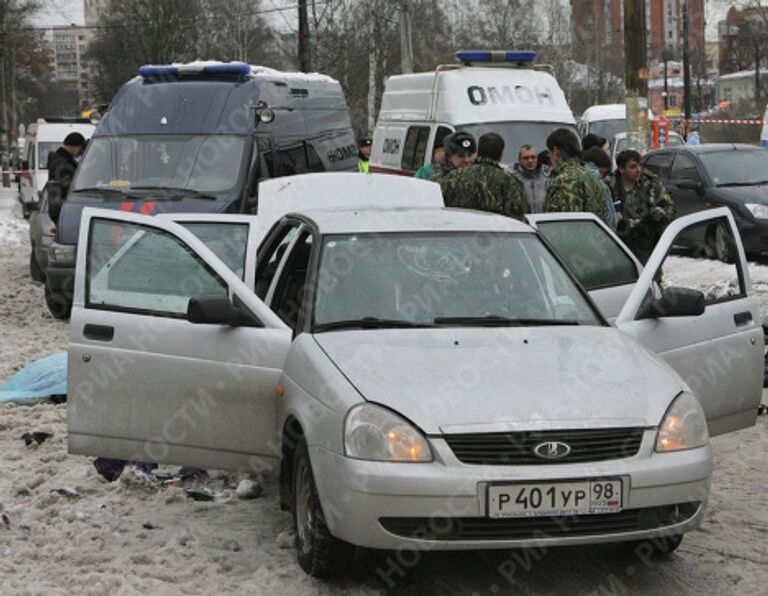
69, 531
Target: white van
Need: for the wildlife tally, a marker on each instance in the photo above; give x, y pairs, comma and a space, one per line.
489, 91
42, 137
764, 133
606, 120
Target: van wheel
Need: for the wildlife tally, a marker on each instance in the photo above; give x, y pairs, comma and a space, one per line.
655, 548
319, 553
58, 303
34, 267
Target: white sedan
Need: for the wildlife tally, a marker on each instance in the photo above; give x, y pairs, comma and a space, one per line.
421, 377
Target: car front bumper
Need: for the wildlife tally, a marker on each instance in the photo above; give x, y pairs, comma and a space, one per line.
442, 505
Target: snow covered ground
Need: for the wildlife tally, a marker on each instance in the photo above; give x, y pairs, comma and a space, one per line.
69, 531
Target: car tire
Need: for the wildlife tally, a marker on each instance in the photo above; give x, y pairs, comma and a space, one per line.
319, 553
34, 267
655, 548
25, 212
719, 244
58, 304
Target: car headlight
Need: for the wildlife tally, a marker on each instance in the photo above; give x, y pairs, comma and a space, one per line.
375, 433
684, 426
757, 210
63, 253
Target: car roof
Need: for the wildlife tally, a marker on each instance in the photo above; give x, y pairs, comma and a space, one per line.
347, 220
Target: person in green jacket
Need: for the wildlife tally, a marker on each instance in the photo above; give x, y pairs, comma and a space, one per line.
571, 186
363, 154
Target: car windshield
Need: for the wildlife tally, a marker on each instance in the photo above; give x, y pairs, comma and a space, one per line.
517, 134
734, 166
434, 279
608, 128
202, 163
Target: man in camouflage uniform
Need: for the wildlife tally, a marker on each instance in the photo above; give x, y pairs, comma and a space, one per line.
485, 185
460, 148
571, 186
645, 205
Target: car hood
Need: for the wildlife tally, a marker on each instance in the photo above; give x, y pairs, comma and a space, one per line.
743, 194
68, 228
495, 379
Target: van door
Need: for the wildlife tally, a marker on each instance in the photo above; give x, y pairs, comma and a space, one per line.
719, 353
146, 383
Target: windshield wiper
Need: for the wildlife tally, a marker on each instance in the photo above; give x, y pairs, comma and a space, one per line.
756, 183
176, 189
111, 189
498, 321
370, 323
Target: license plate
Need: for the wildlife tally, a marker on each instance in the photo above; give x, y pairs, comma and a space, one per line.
582, 497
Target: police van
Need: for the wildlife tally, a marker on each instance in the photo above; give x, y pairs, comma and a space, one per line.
486, 91
198, 138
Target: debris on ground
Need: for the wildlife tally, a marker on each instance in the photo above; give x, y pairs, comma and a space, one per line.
35, 437
248, 489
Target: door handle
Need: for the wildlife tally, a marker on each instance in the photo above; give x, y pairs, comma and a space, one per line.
742, 318
98, 332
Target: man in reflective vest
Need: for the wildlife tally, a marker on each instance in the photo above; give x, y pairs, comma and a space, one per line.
363, 154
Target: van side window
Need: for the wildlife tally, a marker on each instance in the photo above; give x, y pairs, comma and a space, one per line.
265, 149
293, 159
314, 162
440, 134
414, 148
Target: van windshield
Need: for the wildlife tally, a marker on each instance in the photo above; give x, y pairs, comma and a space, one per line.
202, 163
517, 134
608, 128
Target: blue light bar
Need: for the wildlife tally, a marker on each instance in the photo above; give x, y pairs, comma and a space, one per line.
515, 56
228, 69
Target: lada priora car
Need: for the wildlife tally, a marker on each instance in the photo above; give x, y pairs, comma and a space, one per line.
421, 377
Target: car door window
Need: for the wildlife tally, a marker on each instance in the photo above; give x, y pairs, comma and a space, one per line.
415, 148
290, 293
128, 270
707, 262
684, 168
593, 256
228, 241
658, 164
272, 255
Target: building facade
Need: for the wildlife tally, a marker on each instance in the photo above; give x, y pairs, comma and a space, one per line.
67, 51
597, 29
740, 34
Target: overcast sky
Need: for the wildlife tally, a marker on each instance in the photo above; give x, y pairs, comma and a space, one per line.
64, 12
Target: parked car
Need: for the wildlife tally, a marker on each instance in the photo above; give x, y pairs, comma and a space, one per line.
422, 377
718, 175
42, 231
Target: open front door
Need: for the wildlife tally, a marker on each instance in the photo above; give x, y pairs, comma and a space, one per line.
718, 353
147, 384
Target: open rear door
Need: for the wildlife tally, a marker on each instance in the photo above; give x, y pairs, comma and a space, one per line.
596, 256
720, 352
145, 383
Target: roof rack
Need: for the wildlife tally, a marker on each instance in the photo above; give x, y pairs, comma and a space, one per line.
64, 120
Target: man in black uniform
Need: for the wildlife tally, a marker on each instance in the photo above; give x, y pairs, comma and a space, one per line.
61, 168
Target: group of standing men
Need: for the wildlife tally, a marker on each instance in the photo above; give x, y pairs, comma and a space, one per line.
630, 200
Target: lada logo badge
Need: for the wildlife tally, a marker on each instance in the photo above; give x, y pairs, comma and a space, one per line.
552, 450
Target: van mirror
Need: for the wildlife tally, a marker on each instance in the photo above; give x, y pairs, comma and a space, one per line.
25, 165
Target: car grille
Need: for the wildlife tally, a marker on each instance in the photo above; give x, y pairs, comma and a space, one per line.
517, 448
522, 528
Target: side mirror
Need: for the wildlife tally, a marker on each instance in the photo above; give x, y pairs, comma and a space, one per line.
212, 309
688, 184
31, 205
25, 165
674, 302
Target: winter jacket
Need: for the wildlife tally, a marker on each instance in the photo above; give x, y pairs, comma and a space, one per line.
535, 185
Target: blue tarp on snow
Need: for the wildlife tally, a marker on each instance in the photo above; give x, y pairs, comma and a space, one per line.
43, 378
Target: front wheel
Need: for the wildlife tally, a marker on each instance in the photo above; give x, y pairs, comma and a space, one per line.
320, 554
719, 243
58, 303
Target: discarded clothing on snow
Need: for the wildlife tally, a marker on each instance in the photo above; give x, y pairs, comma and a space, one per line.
42, 379
111, 469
